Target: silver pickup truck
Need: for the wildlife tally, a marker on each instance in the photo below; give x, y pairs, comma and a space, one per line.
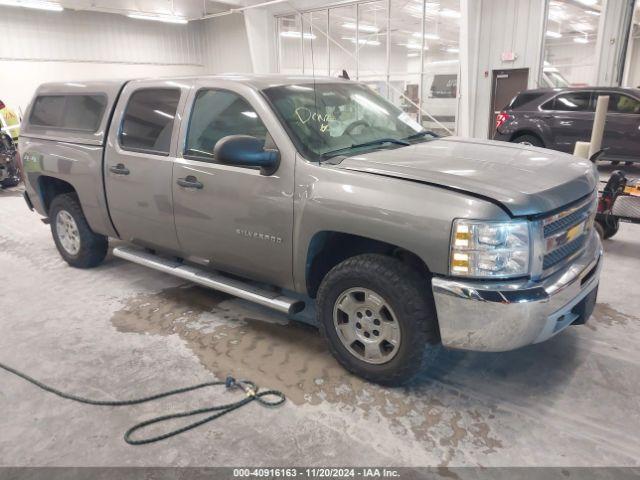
277, 189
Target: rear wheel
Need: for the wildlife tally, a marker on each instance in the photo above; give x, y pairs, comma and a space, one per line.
76, 242
378, 317
531, 140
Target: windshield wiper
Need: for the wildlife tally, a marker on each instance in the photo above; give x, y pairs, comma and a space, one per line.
421, 134
380, 141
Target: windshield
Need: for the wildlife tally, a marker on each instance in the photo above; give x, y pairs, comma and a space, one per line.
341, 118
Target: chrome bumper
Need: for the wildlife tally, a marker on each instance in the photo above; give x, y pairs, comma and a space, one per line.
500, 316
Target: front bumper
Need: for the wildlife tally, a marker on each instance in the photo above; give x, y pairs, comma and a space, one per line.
499, 316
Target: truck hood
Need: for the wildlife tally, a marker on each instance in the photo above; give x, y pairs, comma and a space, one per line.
524, 180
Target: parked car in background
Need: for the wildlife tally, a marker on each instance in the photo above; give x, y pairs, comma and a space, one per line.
558, 118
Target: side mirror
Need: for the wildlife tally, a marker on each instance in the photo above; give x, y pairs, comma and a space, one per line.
594, 158
246, 151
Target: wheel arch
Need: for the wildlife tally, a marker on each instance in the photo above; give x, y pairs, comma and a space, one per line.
50, 187
531, 132
328, 248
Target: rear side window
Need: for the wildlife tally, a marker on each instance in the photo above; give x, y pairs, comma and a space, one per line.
523, 99
147, 122
216, 114
68, 112
571, 102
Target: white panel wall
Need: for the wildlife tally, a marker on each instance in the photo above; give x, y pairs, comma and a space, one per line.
498, 26
40, 47
226, 45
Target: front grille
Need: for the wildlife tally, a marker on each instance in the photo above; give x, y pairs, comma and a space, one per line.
566, 233
567, 250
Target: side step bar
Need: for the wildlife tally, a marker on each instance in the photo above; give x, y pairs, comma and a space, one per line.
213, 280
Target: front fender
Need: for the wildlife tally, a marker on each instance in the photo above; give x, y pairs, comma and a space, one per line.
408, 214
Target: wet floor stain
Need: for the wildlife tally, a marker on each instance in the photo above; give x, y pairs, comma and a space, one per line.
231, 337
605, 315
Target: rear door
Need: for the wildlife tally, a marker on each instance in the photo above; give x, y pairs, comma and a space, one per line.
570, 118
622, 128
139, 162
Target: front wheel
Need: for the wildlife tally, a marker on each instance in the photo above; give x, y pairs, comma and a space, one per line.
378, 316
76, 242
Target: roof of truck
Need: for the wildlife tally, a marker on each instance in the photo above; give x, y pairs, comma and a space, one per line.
256, 81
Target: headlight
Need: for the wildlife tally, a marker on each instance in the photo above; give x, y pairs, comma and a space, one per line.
489, 249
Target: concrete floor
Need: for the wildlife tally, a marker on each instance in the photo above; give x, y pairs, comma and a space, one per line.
122, 331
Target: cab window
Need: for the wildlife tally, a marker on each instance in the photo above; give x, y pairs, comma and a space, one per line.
619, 103
217, 114
147, 122
571, 102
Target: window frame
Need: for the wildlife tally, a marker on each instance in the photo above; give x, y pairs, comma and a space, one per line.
559, 94
212, 159
65, 95
621, 94
173, 124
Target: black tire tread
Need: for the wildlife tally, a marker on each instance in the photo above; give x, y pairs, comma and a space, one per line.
532, 139
410, 288
93, 246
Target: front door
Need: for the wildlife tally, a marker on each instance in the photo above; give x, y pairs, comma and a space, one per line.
506, 85
233, 218
139, 163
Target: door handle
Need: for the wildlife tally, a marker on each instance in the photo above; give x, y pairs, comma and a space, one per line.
190, 182
119, 169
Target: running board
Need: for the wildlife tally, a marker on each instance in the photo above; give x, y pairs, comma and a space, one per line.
213, 280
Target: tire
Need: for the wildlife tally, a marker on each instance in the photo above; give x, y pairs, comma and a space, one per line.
528, 140
406, 302
65, 214
611, 228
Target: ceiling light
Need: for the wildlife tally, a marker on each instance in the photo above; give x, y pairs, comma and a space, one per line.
445, 12
551, 34
592, 12
362, 27
49, 6
294, 34
428, 36
589, 3
158, 18
581, 40
413, 54
414, 46
453, 50
581, 27
362, 41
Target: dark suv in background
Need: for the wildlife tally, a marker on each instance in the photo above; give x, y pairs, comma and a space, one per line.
558, 118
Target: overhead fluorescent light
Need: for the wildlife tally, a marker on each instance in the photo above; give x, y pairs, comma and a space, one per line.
428, 36
361, 27
551, 34
445, 12
453, 50
414, 46
413, 54
294, 34
589, 3
36, 5
362, 41
158, 18
592, 12
581, 40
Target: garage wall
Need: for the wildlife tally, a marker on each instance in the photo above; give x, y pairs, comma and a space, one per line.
38, 47
514, 26
226, 45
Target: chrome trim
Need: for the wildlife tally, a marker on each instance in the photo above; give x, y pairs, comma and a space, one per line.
500, 316
212, 280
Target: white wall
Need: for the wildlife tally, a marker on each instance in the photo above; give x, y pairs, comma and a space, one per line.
226, 45
494, 27
40, 47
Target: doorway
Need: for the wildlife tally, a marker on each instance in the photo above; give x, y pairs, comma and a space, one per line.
505, 85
